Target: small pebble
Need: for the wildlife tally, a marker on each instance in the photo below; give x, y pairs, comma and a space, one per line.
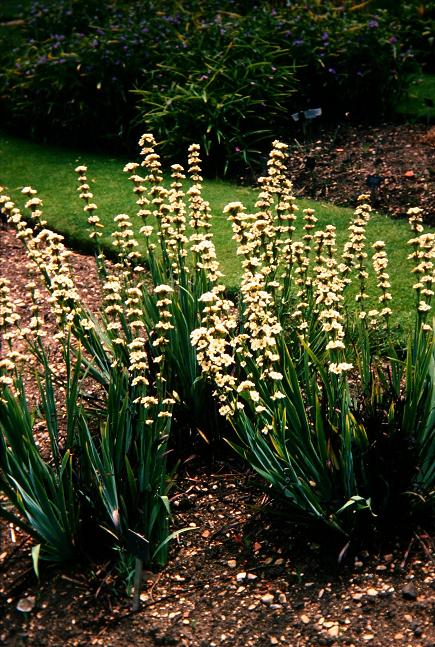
357, 597
298, 604
25, 605
409, 591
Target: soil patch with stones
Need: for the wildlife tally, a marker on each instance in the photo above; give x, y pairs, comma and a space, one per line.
395, 163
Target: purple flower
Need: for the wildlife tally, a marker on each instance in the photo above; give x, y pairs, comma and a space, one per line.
332, 70
297, 42
325, 36
393, 40
373, 24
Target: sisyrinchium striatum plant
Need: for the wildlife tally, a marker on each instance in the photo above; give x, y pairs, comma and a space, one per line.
335, 416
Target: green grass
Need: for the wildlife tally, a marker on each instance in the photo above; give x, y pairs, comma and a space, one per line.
51, 171
414, 103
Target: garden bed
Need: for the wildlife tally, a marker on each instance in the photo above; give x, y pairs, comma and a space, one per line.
337, 165
236, 578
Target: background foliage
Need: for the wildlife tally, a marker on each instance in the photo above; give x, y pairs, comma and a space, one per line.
227, 74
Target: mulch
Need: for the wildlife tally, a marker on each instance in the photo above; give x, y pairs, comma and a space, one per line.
394, 163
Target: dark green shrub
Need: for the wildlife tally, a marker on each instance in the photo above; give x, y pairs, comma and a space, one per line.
71, 77
228, 74
352, 61
419, 18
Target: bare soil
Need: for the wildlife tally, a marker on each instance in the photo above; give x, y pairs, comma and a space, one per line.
239, 577
337, 166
